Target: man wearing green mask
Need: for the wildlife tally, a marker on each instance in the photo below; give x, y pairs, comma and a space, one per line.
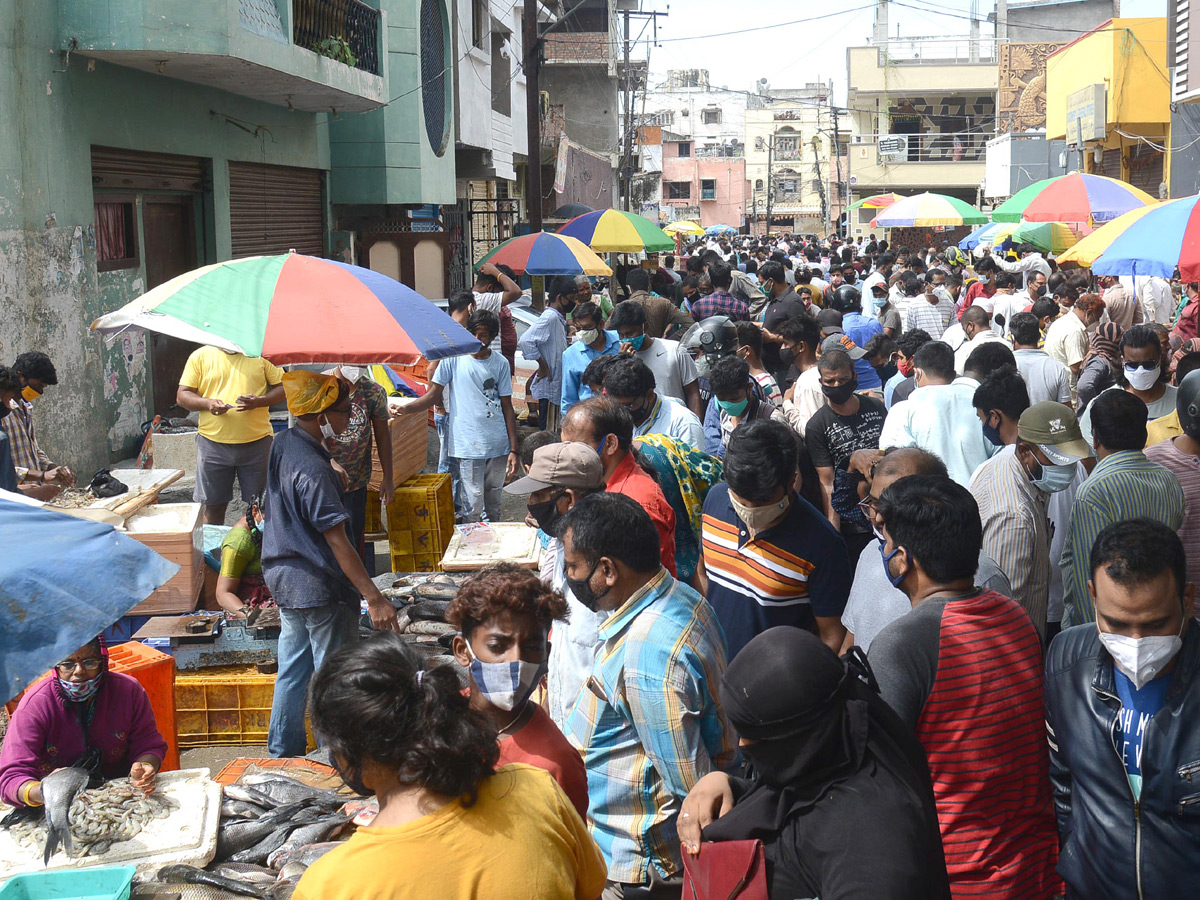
591, 341
849, 422
35, 372
737, 402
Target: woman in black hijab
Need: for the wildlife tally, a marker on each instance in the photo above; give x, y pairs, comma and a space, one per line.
840, 794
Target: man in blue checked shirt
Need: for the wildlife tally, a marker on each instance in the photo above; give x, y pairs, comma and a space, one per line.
648, 721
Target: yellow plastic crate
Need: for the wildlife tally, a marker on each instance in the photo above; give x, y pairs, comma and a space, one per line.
231, 705
416, 562
421, 519
374, 522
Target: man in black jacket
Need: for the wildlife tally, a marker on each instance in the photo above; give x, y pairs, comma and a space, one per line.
1123, 721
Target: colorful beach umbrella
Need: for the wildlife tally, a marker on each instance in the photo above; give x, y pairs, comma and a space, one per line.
1163, 239
684, 227
1077, 197
720, 229
1091, 246
546, 253
616, 231
981, 235
879, 201
297, 309
1049, 237
928, 210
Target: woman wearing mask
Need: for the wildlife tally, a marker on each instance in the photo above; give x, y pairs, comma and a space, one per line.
839, 793
504, 615
1100, 366
450, 823
1141, 374
240, 584
82, 715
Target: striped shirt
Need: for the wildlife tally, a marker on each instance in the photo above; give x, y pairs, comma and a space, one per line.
649, 724
1123, 485
934, 318
1016, 530
1187, 469
965, 672
786, 575
26, 454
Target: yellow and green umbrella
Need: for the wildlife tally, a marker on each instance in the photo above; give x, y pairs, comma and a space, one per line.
615, 231
684, 227
1049, 237
927, 211
547, 253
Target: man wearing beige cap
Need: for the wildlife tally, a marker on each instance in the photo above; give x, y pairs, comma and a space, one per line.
561, 475
1013, 490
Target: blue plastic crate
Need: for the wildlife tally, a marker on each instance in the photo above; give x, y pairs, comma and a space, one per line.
105, 883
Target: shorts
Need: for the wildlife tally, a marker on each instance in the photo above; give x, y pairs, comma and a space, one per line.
216, 464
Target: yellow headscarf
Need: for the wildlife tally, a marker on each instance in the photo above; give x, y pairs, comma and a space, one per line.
309, 393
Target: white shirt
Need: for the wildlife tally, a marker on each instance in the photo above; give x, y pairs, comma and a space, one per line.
807, 398
676, 421
954, 336
673, 367
964, 352
940, 418
1046, 378
576, 640
1007, 305
1034, 262
493, 302
1156, 297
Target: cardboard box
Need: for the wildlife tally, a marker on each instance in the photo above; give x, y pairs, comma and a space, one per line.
173, 530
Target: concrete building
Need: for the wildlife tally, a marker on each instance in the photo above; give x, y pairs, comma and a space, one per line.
1108, 95
712, 118
1184, 158
710, 190
581, 113
923, 110
796, 181
139, 149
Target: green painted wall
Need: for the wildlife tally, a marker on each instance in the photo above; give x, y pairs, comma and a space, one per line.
384, 156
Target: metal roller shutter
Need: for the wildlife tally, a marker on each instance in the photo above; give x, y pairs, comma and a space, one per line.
117, 169
1110, 164
1146, 168
273, 209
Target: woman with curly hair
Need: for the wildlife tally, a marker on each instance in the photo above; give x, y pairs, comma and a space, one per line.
450, 824
504, 616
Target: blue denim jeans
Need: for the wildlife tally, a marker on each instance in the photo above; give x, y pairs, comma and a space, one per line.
446, 462
306, 637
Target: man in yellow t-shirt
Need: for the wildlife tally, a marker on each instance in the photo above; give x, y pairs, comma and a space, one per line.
232, 393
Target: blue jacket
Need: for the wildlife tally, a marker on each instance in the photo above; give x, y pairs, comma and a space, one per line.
1112, 846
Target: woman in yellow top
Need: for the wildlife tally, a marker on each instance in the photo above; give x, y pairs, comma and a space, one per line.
450, 824
240, 584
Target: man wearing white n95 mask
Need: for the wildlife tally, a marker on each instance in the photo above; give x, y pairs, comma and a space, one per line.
1123, 721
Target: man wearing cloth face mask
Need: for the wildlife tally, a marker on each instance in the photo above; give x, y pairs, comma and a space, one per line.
38, 476
649, 724
1123, 722
544, 342
10, 389
1124, 485
591, 341
673, 368
963, 669
1013, 489
503, 615
560, 475
312, 569
1141, 374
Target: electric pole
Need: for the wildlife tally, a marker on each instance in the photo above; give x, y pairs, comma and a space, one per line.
627, 143
532, 55
770, 180
837, 157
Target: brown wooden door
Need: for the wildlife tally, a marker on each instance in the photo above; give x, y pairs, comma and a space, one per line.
169, 226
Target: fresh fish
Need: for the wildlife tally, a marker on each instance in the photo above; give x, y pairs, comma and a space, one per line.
308, 834
259, 852
292, 871
307, 855
192, 875
239, 809
433, 592
154, 891
248, 794
283, 890
287, 790
59, 790
246, 872
237, 836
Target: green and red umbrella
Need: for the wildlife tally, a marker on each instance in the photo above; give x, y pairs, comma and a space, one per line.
1078, 197
297, 309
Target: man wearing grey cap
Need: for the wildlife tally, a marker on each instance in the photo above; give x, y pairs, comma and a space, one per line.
1013, 490
559, 477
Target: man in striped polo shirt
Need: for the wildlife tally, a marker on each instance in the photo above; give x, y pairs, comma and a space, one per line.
964, 669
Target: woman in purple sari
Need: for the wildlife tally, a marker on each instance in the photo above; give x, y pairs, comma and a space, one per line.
82, 715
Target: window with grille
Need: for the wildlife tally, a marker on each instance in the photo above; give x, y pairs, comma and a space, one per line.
434, 65
758, 184
679, 190
116, 235
479, 22
685, 148
708, 189
710, 117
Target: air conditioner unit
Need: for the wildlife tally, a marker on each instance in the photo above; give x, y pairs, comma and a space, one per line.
685, 113
858, 139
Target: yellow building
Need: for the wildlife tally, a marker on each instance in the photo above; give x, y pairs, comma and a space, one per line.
1108, 95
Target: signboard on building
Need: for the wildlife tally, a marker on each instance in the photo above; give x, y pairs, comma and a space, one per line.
893, 148
1087, 114
560, 165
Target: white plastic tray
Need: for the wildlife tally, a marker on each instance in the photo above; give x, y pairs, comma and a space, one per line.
188, 836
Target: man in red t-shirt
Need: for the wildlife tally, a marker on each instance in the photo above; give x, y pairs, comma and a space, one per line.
504, 614
984, 287
608, 428
963, 669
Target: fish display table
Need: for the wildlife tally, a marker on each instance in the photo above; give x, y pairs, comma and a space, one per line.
187, 836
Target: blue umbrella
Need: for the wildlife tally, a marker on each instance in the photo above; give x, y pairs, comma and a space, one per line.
981, 235
63, 580
1164, 239
720, 229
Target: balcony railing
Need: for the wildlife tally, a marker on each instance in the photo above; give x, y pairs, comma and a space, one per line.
345, 30
933, 147
937, 51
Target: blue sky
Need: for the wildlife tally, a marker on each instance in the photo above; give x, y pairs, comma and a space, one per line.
790, 55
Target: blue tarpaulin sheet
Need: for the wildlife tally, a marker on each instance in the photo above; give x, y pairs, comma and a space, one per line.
63, 580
